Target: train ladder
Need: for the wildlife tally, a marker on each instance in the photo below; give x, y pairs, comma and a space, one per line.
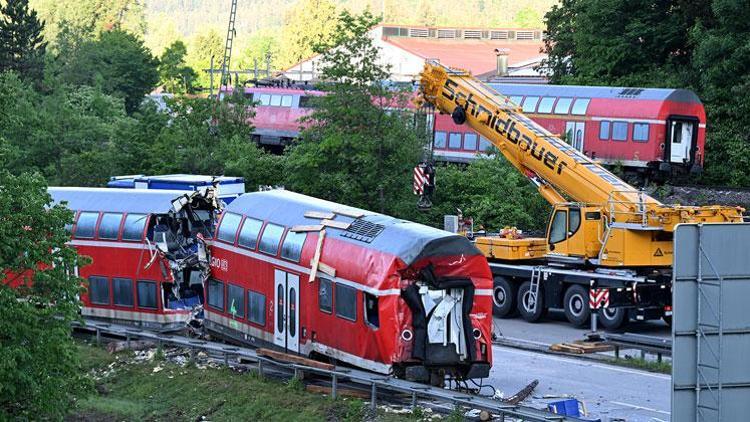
536, 276
709, 328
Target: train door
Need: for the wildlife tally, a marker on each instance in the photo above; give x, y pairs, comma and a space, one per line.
574, 132
286, 298
681, 135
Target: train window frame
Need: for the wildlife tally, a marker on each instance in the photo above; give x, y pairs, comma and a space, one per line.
293, 244
210, 300
466, 141
264, 99
126, 233
106, 284
222, 225
580, 106
252, 297
286, 100
642, 125
543, 109
242, 241
112, 231
349, 302
150, 283
619, 123
328, 309
123, 281
515, 99
368, 298
441, 139
529, 103
277, 238
451, 138
608, 124
233, 288
275, 100
484, 144
561, 102
93, 227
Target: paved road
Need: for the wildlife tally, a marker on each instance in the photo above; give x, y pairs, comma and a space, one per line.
554, 328
609, 392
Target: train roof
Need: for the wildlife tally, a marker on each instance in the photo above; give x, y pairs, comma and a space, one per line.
407, 240
196, 179
605, 92
116, 200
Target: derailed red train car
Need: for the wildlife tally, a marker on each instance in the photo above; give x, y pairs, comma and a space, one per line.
406, 299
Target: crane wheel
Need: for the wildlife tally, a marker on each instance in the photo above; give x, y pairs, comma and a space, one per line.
459, 115
503, 298
576, 305
526, 301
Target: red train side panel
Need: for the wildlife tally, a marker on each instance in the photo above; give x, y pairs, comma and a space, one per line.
405, 298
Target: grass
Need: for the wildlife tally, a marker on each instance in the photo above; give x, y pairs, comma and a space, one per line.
135, 392
664, 367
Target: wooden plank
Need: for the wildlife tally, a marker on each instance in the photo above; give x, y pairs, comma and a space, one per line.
349, 213
311, 228
320, 215
566, 348
335, 224
286, 357
322, 389
316, 258
325, 268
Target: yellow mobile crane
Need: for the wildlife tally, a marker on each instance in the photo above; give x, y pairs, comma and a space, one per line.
602, 234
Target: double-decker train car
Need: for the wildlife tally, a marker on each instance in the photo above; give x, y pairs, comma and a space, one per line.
148, 263
645, 130
404, 298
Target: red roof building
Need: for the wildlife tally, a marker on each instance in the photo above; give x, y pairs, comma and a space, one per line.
405, 49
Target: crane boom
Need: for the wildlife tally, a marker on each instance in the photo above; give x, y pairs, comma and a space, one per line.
556, 168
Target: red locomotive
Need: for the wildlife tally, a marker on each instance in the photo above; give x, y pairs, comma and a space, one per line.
647, 131
403, 298
148, 263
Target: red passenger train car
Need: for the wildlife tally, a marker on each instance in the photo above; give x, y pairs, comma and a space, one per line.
147, 262
406, 299
645, 130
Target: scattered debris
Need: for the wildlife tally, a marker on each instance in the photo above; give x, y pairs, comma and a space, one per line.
285, 357
119, 346
580, 347
523, 394
316, 258
336, 224
348, 392
320, 215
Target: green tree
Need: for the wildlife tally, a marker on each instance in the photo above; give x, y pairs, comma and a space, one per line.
203, 47
261, 46
308, 23
118, 62
357, 148
176, 77
39, 371
22, 46
90, 17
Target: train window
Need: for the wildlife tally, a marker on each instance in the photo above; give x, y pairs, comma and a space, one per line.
563, 105
372, 316
604, 130
109, 227
216, 294
248, 96
307, 101
256, 308
286, 101
269, 241
580, 106
236, 301
99, 290
325, 295
454, 141
640, 132
275, 100
545, 106
516, 99
86, 224
529, 104
133, 229
484, 143
440, 138
559, 227
265, 99
470, 141
229, 225
147, 294
291, 249
249, 233
123, 291
619, 131
346, 302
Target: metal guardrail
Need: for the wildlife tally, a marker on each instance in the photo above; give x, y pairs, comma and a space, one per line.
374, 381
646, 344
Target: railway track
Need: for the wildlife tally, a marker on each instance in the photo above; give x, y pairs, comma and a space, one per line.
381, 387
